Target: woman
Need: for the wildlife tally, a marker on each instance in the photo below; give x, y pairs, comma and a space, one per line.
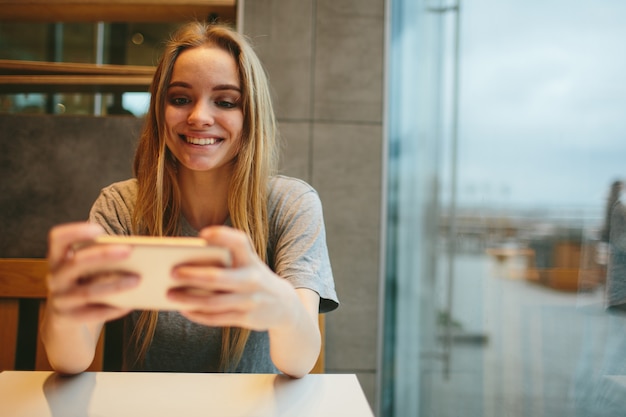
205, 161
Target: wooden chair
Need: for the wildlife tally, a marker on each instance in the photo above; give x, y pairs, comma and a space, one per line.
22, 303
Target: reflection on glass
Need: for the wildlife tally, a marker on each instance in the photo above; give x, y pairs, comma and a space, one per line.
541, 141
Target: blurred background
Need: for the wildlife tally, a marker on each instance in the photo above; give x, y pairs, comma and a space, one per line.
464, 151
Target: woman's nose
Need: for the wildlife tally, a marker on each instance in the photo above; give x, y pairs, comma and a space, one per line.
201, 115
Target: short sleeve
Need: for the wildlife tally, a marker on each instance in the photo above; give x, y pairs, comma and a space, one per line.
113, 207
297, 251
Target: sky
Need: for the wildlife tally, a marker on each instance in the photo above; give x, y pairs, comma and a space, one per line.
542, 113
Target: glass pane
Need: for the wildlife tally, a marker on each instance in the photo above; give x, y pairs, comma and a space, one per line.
512, 318
23, 41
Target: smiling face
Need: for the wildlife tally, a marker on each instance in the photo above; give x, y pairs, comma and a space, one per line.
203, 112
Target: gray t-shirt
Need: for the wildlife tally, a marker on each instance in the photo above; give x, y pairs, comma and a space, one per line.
297, 252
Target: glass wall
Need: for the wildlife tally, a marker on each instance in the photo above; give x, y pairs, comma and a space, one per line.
505, 127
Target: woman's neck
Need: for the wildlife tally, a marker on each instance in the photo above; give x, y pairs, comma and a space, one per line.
204, 197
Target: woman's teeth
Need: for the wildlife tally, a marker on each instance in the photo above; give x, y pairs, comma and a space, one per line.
201, 141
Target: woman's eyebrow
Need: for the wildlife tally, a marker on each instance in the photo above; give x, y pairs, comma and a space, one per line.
219, 87
179, 84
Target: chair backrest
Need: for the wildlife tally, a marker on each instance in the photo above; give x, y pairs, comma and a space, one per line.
22, 302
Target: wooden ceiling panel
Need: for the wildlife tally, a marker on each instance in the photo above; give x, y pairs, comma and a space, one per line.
116, 10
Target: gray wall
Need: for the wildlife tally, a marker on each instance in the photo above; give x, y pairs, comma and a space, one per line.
325, 62
52, 169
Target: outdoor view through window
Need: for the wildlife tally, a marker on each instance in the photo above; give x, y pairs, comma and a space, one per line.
507, 133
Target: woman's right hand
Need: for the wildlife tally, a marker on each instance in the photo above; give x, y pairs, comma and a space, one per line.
73, 317
76, 279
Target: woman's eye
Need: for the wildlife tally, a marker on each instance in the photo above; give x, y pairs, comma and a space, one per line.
226, 104
179, 101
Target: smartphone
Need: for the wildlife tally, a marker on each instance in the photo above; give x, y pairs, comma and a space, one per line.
153, 258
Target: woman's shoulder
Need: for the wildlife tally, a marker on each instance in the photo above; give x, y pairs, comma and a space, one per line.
291, 195
125, 188
122, 192
282, 185
113, 208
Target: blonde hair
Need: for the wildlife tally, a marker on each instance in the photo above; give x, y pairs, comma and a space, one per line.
158, 208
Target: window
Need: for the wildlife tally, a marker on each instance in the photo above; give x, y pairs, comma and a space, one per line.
501, 158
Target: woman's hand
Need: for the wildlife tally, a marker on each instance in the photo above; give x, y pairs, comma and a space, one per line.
78, 277
246, 294
73, 318
249, 294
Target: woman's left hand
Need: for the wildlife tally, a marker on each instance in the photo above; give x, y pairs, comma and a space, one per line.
246, 294
250, 295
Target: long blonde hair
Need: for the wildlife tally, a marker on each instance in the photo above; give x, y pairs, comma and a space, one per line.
158, 208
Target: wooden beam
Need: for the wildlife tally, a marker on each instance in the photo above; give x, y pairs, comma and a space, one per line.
17, 67
116, 10
16, 84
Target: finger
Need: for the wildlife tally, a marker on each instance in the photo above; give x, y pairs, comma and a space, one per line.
105, 284
236, 241
91, 294
62, 238
205, 277
218, 279
86, 262
92, 290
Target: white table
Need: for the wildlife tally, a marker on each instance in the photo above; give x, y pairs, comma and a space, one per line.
137, 394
